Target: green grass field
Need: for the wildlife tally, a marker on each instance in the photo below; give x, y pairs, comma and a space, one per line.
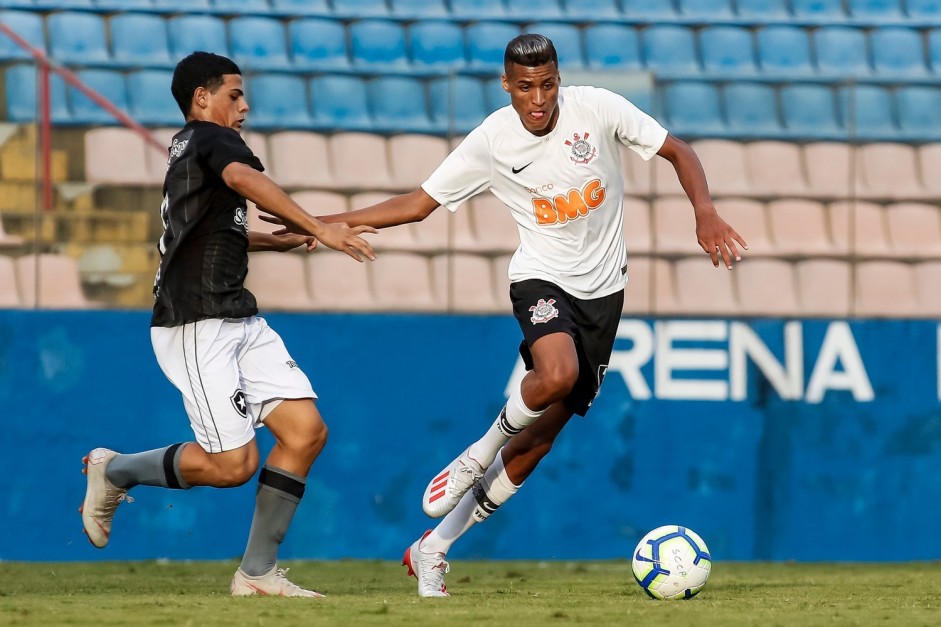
496, 593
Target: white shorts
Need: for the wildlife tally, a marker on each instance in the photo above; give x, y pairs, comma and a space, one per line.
231, 373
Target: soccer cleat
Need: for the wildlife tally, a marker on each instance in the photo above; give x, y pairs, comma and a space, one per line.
444, 492
274, 583
101, 497
428, 568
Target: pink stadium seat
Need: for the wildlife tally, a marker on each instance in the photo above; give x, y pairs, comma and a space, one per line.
766, 287
799, 227
464, 237
702, 289
674, 226
725, 165
321, 203
665, 182
748, 219
278, 281
59, 284
501, 279
9, 293
914, 229
467, 284
360, 162
299, 159
824, 287
402, 237
828, 169
888, 171
637, 225
494, 226
405, 282
414, 157
337, 282
775, 167
650, 287
885, 289
118, 156
929, 157
866, 221
638, 174
927, 280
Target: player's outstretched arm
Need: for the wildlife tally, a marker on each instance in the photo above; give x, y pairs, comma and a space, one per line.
411, 207
255, 186
258, 240
715, 236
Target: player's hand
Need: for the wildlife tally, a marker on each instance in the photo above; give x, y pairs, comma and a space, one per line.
718, 239
340, 236
290, 241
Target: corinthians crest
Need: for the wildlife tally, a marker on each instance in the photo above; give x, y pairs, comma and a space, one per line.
544, 311
582, 151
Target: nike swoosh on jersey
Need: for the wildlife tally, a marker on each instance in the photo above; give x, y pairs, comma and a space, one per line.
518, 170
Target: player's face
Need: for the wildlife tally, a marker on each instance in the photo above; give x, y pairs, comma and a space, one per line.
534, 94
227, 105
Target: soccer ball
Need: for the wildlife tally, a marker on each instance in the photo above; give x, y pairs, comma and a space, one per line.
671, 562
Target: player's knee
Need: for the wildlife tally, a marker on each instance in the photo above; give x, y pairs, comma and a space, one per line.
308, 441
560, 378
236, 471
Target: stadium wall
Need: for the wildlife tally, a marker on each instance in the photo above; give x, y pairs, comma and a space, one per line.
775, 440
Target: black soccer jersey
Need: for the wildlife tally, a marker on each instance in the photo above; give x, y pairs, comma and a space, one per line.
204, 247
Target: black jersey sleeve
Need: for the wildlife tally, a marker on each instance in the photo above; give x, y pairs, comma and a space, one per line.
221, 146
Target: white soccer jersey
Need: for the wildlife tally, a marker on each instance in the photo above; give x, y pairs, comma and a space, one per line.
565, 189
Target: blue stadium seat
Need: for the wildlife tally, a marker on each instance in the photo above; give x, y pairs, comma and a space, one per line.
139, 39
495, 95
339, 103
21, 96
399, 104
17, 4
300, 7
318, 43
810, 112
125, 5
27, 25
278, 101
693, 109
648, 10
879, 11
378, 44
242, 7
183, 6
706, 10
436, 44
360, 8
669, 49
528, 9
818, 11
150, 100
63, 4
923, 9
784, 50
486, 43
612, 46
934, 49
458, 104
841, 51
898, 51
867, 112
762, 10
478, 10
920, 112
597, 9
258, 43
189, 33
109, 84
727, 50
751, 110
419, 9
77, 38
567, 40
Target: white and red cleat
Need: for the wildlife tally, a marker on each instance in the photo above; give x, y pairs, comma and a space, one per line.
428, 568
101, 497
444, 492
273, 583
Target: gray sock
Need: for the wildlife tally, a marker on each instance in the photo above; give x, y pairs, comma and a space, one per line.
279, 492
159, 467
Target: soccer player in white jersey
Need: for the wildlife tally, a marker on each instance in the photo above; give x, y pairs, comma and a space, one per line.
552, 156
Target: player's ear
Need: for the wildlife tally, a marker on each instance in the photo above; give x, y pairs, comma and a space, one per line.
201, 97
506, 83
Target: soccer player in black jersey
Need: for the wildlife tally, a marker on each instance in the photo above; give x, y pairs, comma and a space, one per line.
232, 369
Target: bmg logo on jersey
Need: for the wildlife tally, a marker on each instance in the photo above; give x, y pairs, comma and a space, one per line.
570, 205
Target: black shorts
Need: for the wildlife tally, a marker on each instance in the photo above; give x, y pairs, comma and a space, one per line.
542, 308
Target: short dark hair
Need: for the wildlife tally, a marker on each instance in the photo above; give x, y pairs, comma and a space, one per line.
530, 50
200, 69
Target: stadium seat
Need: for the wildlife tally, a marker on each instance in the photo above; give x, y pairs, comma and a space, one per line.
669, 48
45, 5
292, 8
9, 292
566, 38
762, 11
378, 44
824, 287
929, 157
189, 33
898, 51
339, 102
885, 289
467, 284
914, 229
278, 281
799, 227
360, 8
665, 181
749, 219
27, 25
401, 238
858, 228
116, 156
934, 49
879, 11
867, 113
140, 40
494, 94
419, 9
888, 170
818, 11
150, 100
920, 112
405, 282
486, 43
436, 44
650, 289
706, 10
674, 226
725, 164
828, 168
841, 51
727, 50
321, 203
399, 104
107, 83
359, 161
923, 10
184, 6
279, 102
766, 287
21, 96
613, 46
636, 225
258, 43
493, 223
693, 109
241, 7
414, 157
784, 50
479, 10
927, 279
77, 38
751, 110
810, 112
656, 11
597, 9
318, 44
458, 104
59, 284
338, 283
701, 290
525, 10
299, 159
775, 168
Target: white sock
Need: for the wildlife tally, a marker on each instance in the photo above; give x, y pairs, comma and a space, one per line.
493, 490
514, 417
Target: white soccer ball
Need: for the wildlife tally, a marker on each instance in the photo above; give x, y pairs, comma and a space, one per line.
671, 562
